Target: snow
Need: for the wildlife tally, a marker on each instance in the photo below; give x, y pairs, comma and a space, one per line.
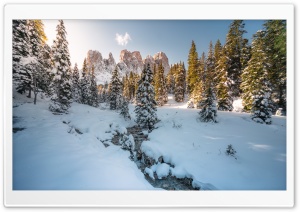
198, 149
50, 155
65, 152
238, 105
162, 170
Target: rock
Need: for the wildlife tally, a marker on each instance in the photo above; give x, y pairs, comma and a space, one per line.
129, 61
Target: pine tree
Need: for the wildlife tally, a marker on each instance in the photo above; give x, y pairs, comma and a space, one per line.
21, 51
233, 50
125, 110
208, 113
46, 66
76, 89
170, 81
200, 85
160, 86
62, 98
180, 83
210, 68
256, 85
126, 90
85, 84
93, 98
145, 108
115, 98
192, 74
275, 42
222, 89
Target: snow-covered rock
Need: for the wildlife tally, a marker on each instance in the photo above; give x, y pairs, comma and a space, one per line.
128, 61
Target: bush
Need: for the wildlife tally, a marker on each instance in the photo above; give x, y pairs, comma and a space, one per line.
231, 151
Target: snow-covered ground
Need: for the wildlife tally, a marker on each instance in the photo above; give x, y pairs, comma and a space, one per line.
64, 152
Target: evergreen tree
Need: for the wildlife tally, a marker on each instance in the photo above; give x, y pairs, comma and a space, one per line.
62, 98
275, 43
126, 90
256, 85
145, 108
131, 84
208, 113
192, 74
245, 53
85, 84
222, 89
160, 86
233, 50
76, 87
93, 98
46, 69
210, 68
261, 110
200, 86
115, 98
20, 45
125, 110
170, 81
180, 83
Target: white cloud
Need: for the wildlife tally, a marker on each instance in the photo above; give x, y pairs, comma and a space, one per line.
123, 39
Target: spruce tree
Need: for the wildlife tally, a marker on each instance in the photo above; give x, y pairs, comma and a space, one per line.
62, 98
224, 98
160, 86
275, 42
170, 81
179, 83
233, 51
115, 97
125, 110
85, 84
126, 90
256, 85
93, 98
192, 74
20, 49
76, 87
145, 108
208, 113
210, 68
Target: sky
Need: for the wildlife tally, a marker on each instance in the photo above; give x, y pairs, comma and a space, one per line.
173, 37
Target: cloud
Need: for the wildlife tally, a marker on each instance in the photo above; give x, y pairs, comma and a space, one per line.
123, 39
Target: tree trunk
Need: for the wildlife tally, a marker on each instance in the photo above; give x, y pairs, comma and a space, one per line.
29, 93
35, 95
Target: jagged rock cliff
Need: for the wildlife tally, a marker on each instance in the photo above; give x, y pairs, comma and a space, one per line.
129, 61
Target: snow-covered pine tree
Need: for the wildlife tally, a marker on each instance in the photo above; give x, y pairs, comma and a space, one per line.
233, 50
115, 96
256, 85
76, 89
160, 86
46, 75
224, 98
170, 81
145, 108
62, 98
208, 113
125, 110
275, 42
93, 100
210, 68
20, 51
261, 110
85, 84
179, 83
